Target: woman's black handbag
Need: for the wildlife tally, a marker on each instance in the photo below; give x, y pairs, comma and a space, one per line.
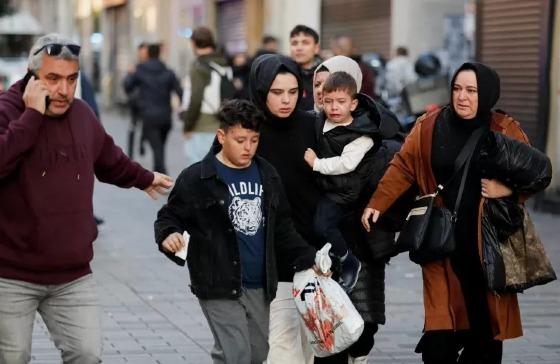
428, 233
416, 225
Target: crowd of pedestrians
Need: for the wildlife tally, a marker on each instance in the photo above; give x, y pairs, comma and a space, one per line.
282, 155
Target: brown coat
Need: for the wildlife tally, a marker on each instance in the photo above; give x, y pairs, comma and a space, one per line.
444, 304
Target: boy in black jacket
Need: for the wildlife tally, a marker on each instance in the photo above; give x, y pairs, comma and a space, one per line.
233, 206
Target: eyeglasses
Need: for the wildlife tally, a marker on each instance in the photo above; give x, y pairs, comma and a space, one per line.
54, 49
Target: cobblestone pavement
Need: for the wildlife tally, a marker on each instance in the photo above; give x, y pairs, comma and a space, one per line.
150, 316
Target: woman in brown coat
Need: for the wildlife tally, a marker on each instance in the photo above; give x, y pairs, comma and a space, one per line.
460, 312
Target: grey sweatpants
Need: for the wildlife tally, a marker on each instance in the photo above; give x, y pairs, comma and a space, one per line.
71, 312
239, 327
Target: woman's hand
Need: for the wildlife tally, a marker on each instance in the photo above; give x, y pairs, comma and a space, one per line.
368, 214
492, 188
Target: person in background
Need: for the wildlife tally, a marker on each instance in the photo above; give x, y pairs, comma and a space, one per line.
199, 119
399, 72
50, 154
344, 46
134, 103
241, 67
155, 83
304, 50
269, 44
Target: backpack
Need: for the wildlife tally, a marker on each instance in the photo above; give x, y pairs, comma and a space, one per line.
219, 89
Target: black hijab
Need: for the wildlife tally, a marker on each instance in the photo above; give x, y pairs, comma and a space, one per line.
488, 86
263, 72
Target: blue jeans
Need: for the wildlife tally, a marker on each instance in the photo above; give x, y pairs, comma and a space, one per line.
70, 311
328, 216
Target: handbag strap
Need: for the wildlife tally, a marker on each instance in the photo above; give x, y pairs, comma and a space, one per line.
468, 149
464, 159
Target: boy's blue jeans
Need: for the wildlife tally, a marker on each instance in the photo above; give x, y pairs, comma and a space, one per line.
328, 216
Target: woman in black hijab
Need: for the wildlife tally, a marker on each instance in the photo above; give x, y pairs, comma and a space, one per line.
276, 88
471, 81
461, 314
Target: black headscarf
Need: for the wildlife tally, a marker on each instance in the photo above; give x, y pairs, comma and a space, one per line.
488, 86
451, 134
263, 72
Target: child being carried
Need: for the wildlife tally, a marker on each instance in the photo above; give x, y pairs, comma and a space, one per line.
345, 149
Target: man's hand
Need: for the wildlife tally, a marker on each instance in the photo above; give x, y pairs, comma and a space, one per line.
492, 188
368, 214
35, 95
173, 243
310, 157
159, 186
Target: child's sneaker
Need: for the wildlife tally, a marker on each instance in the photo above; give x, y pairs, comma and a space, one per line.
350, 269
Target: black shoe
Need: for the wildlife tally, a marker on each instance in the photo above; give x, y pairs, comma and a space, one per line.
349, 270
98, 221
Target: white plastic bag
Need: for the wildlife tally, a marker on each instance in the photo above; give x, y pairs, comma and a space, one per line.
330, 319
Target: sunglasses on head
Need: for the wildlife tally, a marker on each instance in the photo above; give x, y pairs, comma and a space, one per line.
54, 49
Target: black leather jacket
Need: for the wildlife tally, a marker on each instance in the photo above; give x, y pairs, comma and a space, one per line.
198, 204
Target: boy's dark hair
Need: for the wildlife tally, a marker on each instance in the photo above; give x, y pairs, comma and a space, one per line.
153, 50
340, 81
305, 30
240, 112
203, 38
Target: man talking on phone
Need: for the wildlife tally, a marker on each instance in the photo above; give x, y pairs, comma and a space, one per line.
51, 149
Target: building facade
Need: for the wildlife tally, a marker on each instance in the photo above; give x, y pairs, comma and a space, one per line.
516, 38
519, 38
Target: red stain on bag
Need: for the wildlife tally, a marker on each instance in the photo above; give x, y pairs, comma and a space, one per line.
320, 320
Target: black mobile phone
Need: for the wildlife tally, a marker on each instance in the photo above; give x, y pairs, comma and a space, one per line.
26, 79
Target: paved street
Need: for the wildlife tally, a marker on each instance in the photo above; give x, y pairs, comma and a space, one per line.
150, 316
